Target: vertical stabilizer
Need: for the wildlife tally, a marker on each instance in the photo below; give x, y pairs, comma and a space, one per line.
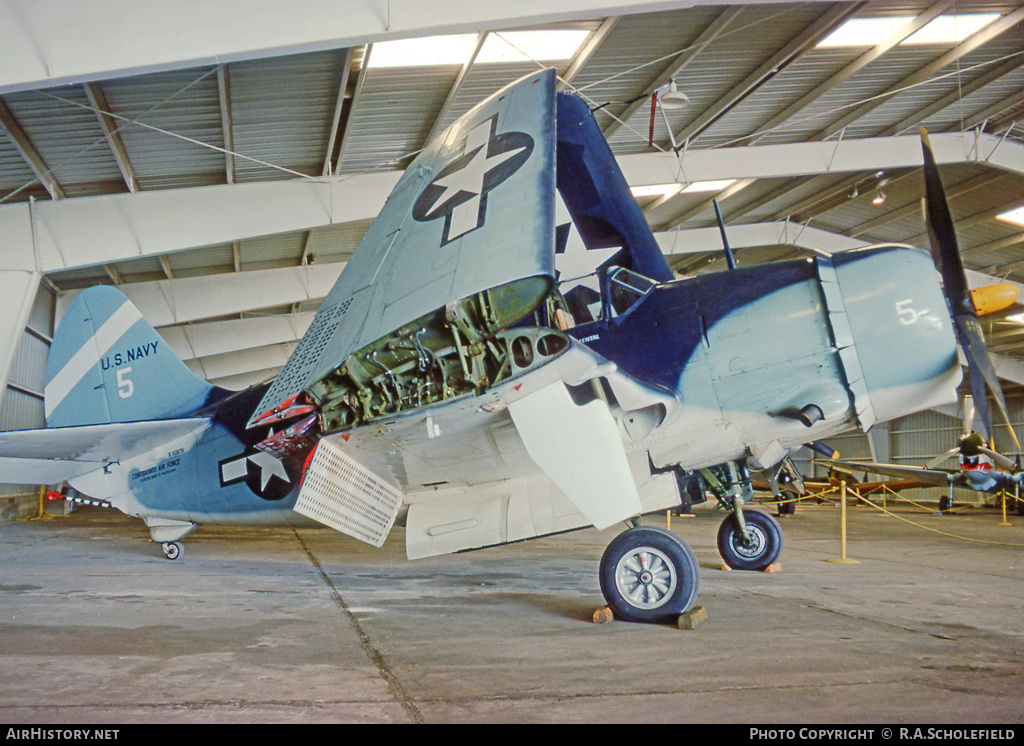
107, 364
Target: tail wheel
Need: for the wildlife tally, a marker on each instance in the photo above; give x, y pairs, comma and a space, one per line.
761, 549
172, 550
649, 574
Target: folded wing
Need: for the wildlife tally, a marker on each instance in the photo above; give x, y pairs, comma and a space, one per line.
473, 213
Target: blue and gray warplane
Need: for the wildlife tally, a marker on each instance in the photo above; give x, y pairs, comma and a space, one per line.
509, 355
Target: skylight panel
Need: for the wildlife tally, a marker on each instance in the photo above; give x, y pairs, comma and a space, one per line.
520, 46
1013, 216
549, 45
708, 186
951, 29
656, 190
869, 32
427, 51
865, 32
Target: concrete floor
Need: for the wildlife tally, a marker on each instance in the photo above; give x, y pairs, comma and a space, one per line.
275, 625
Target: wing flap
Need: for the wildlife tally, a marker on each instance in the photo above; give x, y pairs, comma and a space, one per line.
341, 493
580, 449
51, 455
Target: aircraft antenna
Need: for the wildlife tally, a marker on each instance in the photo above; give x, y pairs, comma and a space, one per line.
725, 241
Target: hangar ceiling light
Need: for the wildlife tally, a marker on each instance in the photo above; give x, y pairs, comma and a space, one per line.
507, 46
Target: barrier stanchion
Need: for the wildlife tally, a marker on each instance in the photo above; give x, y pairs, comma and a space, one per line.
842, 529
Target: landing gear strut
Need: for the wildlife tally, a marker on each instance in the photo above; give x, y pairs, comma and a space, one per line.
169, 533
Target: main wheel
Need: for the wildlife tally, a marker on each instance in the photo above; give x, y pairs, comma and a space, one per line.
763, 548
649, 574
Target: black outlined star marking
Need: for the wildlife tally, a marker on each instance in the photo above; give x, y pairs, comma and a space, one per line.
459, 191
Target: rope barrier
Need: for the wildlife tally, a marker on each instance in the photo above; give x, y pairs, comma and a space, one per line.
929, 529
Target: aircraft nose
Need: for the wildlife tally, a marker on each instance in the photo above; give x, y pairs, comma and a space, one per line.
897, 319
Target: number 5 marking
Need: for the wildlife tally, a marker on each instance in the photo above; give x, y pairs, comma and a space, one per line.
907, 315
125, 387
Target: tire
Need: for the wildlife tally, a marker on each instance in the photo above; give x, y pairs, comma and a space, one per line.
787, 505
649, 574
172, 550
765, 546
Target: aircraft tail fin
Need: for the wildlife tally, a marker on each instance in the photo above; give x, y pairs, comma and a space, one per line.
107, 364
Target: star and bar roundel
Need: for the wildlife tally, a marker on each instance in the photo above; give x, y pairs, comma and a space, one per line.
459, 191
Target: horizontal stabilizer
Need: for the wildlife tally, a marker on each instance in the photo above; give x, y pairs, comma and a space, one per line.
580, 449
52, 455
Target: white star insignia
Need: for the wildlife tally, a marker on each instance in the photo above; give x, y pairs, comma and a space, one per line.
470, 179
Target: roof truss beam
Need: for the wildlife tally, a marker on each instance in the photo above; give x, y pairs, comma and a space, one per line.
456, 86
708, 35
226, 121
98, 101
965, 47
789, 54
47, 43
23, 144
100, 230
858, 64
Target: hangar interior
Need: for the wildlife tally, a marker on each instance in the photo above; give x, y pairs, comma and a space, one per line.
220, 166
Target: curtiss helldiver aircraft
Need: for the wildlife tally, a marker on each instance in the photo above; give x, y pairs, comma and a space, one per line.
455, 370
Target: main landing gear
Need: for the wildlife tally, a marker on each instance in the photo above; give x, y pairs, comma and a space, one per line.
747, 539
649, 574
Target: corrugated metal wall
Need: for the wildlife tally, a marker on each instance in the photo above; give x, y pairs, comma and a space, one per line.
22, 405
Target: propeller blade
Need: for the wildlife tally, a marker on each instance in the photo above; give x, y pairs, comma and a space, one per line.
998, 459
946, 253
968, 415
939, 459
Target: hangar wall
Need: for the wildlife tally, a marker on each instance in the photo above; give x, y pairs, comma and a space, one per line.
21, 405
